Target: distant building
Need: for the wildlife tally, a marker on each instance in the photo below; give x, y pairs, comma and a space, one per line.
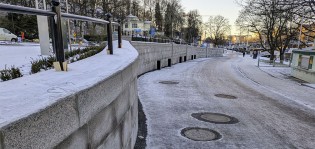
136, 27
237, 39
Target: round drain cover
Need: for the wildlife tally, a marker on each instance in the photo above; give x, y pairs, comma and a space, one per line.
200, 134
216, 118
169, 82
225, 96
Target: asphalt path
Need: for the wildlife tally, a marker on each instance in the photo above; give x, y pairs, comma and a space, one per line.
272, 112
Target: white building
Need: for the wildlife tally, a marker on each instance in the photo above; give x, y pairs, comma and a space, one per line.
133, 26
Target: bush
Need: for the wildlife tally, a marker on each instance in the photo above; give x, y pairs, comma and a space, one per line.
95, 37
149, 39
88, 52
42, 64
9, 74
71, 56
46, 63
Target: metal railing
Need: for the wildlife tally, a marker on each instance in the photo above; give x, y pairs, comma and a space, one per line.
55, 16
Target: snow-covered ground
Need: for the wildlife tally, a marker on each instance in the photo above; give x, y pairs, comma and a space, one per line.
274, 111
280, 71
20, 55
24, 96
281, 81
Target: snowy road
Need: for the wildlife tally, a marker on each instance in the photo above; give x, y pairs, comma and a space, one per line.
273, 112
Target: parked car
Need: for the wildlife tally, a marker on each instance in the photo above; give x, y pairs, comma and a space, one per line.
6, 35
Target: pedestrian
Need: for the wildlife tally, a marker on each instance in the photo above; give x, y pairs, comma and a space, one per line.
244, 53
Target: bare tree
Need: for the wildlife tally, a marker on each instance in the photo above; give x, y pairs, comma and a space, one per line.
218, 27
272, 21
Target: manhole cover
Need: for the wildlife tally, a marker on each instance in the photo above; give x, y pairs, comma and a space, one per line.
169, 82
225, 96
216, 118
200, 134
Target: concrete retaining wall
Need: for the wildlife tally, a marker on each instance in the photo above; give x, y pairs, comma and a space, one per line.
150, 53
102, 116
304, 73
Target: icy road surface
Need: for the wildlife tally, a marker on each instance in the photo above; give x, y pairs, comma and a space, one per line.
273, 112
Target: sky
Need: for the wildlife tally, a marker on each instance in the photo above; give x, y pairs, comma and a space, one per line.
226, 8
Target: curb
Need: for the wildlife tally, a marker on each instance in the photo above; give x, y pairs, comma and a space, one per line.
308, 85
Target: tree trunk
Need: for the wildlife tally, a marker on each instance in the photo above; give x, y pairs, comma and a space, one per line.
272, 56
281, 57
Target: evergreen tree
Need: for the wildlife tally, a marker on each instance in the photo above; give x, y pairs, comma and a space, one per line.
158, 17
168, 21
193, 25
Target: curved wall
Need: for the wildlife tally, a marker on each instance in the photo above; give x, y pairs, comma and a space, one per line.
94, 106
104, 115
150, 53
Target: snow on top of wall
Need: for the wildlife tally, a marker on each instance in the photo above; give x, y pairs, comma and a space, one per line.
21, 97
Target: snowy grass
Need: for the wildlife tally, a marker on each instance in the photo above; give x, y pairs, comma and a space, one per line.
21, 55
18, 56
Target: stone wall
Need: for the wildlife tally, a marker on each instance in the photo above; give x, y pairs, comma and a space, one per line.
150, 53
104, 115
109, 117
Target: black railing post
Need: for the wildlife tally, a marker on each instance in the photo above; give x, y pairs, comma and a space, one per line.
53, 33
109, 34
119, 35
57, 33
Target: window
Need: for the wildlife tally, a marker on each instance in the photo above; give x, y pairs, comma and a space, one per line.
134, 25
126, 25
6, 31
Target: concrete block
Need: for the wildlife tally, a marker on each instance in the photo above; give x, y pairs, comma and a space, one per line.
43, 129
133, 91
134, 113
128, 146
101, 126
127, 76
1, 141
126, 129
122, 105
295, 59
78, 140
134, 123
93, 100
113, 141
135, 68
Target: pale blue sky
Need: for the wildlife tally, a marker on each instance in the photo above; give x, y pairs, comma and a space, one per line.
227, 8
